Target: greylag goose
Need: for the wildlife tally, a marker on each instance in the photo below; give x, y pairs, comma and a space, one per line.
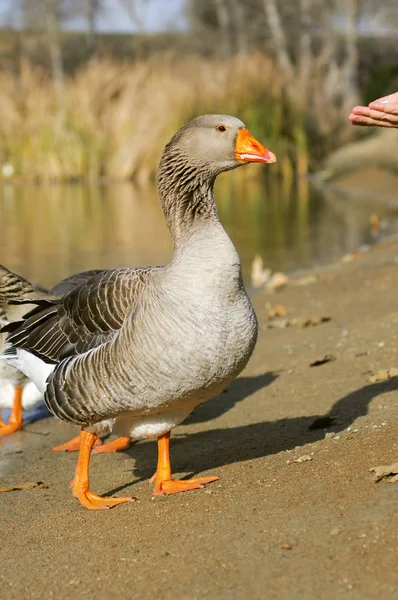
16, 391
136, 350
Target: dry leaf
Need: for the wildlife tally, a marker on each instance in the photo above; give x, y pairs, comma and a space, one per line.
312, 321
305, 280
388, 472
30, 485
276, 311
383, 375
279, 324
286, 546
277, 281
321, 360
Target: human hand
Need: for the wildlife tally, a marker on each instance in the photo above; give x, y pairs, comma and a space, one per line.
382, 112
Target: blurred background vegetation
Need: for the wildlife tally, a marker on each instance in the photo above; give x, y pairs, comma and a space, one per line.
78, 103
91, 90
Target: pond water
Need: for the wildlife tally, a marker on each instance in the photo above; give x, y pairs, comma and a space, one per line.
47, 233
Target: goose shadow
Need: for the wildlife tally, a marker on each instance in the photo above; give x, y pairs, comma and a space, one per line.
208, 450
238, 390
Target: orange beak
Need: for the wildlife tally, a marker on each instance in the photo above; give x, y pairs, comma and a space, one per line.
248, 149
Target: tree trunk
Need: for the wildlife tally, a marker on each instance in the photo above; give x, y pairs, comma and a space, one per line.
91, 12
278, 37
54, 45
351, 61
305, 50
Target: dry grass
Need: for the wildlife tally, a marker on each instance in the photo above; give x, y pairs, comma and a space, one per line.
113, 120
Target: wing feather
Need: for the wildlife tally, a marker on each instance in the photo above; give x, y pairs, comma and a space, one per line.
86, 317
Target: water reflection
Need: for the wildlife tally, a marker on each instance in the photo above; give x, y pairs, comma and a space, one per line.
46, 233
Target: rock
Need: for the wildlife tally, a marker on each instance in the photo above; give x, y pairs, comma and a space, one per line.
321, 360
388, 472
383, 375
304, 458
286, 546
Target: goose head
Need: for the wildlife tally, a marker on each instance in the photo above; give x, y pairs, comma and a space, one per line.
212, 144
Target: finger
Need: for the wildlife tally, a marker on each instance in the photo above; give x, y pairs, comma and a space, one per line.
379, 115
387, 108
365, 111
359, 109
389, 98
369, 121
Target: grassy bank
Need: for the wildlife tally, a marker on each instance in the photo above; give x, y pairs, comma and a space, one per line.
112, 120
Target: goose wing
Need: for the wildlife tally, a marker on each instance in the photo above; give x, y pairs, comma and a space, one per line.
86, 317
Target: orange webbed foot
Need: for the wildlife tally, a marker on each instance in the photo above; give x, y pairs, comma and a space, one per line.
164, 482
173, 486
15, 422
7, 429
93, 502
122, 443
73, 445
81, 482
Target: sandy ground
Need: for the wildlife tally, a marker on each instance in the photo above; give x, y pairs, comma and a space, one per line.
271, 527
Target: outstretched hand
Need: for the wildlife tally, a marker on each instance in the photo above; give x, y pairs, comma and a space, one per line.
382, 112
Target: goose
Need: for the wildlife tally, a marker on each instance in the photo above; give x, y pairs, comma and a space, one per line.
17, 392
136, 350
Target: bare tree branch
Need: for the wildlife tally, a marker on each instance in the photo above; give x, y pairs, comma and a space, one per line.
239, 21
133, 12
223, 18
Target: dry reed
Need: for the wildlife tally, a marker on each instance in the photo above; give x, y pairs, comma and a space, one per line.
113, 120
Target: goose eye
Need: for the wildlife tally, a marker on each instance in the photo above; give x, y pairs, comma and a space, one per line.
221, 128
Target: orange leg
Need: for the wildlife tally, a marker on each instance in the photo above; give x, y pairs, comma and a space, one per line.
15, 421
122, 443
164, 483
81, 482
73, 445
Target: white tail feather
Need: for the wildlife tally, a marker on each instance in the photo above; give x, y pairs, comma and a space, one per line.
33, 367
